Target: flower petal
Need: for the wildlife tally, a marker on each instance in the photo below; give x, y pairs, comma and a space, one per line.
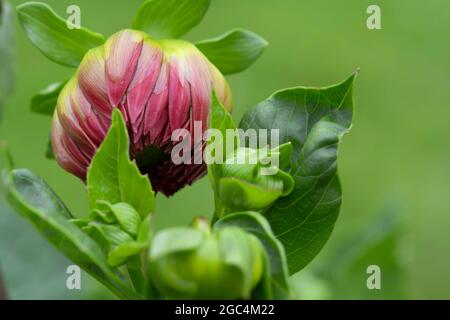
69, 121
142, 86
122, 52
92, 81
201, 84
179, 92
64, 158
156, 117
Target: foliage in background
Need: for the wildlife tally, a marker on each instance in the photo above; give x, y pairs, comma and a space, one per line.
343, 274
6, 53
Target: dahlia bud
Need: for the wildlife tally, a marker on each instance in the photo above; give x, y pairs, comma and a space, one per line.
197, 263
159, 86
253, 179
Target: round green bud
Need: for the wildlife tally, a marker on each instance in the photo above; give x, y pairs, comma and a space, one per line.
253, 179
195, 263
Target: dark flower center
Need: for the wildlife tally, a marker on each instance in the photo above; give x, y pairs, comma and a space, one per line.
165, 176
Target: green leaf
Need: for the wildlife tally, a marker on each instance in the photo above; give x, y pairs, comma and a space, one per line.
222, 121
255, 224
164, 19
6, 162
49, 151
113, 177
44, 102
6, 53
50, 34
120, 254
234, 51
239, 250
34, 200
244, 184
284, 152
219, 119
128, 218
111, 235
116, 243
179, 239
314, 120
234, 173
145, 230
239, 194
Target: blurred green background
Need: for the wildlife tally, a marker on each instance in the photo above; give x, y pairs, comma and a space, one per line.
395, 160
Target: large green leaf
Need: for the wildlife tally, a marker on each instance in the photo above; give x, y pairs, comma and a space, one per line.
234, 51
44, 272
113, 177
314, 121
44, 102
170, 18
34, 200
255, 224
50, 34
6, 53
219, 119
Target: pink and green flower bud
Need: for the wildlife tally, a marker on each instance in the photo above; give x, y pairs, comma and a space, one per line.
159, 86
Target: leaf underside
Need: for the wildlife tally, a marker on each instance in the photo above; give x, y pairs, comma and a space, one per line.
164, 19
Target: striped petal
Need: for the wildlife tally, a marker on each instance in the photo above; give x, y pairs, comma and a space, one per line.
156, 113
179, 92
92, 81
143, 84
63, 156
122, 52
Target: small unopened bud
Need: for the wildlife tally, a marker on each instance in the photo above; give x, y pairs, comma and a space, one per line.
194, 263
253, 179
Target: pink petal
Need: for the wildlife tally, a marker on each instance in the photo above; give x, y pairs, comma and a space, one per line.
88, 120
221, 88
201, 83
143, 83
122, 52
69, 120
156, 117
64, 158
91, 79
179, 92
